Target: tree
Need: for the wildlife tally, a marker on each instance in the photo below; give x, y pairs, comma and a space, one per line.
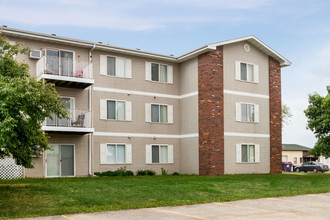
286, 115
24, 105
318, 115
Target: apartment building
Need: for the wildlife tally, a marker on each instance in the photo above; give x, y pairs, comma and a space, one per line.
214, 110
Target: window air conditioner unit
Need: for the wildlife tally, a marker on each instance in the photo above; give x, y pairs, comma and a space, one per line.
35, 54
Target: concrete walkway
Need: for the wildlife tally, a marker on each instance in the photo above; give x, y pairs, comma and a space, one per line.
313, 206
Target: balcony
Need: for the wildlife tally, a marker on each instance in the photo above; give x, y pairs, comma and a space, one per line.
79, 122
64, 72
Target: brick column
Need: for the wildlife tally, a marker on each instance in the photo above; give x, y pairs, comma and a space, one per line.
275, 113
211, 115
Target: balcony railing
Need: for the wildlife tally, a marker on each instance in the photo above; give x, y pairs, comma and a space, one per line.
77, 119
67, 73
81, 70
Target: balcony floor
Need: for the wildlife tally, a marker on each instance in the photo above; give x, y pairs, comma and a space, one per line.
67, 130
66, 81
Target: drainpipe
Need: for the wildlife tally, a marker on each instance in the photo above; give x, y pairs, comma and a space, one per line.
90, 69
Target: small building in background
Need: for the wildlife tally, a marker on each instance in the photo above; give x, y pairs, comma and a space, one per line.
296, 154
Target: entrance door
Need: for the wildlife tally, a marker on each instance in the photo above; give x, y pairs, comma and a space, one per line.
60, 161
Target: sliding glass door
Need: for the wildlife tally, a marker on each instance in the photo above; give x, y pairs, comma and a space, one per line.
60, 160
59, 62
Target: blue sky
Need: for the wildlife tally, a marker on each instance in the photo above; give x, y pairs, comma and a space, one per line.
297, 29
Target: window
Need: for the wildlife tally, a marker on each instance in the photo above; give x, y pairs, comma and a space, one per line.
159, 113
60, 62
284, 158
247, 153
159, 153
295, 160
247, 72
247, 112
115, 66
301, 159
156, 72
115, 153
115, 110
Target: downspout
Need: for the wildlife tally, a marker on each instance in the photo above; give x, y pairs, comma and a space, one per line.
90, 69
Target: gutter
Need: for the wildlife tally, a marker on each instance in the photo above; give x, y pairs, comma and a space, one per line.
90, 69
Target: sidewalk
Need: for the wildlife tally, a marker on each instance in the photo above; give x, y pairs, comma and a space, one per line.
312, 206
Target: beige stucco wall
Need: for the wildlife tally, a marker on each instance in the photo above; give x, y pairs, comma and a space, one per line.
80, 96
138, 154
39, 168
291, 154
231, 125
138, 81
189, 154
232, 167
189, 76
232, 53
235, 52
138, 123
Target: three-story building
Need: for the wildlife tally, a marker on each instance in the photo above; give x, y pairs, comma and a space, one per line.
214, 110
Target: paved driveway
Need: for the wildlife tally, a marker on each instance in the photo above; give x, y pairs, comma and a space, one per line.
313, 206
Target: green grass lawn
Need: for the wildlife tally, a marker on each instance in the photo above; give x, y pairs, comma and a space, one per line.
39, 197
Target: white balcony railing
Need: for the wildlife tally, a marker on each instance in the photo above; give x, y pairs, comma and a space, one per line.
70, 68
77, 119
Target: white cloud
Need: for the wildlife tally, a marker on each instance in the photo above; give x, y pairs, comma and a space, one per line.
131, 15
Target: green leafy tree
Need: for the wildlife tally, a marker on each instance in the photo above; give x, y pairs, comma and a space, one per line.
24, 105
286, 115
318, 115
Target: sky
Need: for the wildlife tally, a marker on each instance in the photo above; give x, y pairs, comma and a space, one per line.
297, 29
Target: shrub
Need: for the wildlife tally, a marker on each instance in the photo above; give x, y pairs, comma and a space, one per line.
164, 172
119, 172
145, 173
175, 174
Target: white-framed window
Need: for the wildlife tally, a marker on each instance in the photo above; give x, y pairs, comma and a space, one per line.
159, 113
295, 160
115, 109
115, 66
159, 153
115, 153
157, 72
247, 112
60, 62
247, 153
284, 158
247, 72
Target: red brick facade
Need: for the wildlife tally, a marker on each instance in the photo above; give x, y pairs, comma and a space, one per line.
210, 112
275, 114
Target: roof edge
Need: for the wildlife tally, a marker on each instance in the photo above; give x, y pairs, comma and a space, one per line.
179, 59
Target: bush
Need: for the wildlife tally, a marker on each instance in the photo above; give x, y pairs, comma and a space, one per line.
175, 174
119, 172
145, 173
164, 172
